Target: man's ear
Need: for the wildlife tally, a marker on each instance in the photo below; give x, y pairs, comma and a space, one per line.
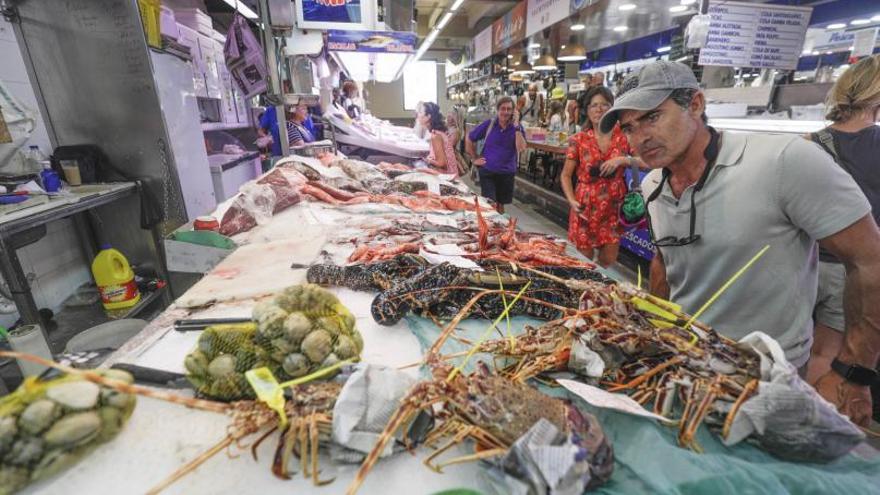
698, 104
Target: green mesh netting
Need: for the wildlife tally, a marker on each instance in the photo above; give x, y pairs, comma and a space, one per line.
47, 426
301, 330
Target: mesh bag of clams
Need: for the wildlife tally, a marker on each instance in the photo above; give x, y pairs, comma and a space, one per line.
46, 426
299, 331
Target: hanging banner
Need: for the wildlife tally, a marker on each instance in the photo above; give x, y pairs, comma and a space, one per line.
755, 35
371, 41
483, 44
510, 28
541, 14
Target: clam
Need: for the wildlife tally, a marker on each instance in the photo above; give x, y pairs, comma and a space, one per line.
297, 326
13, 478
75, 396
317, 345
8, 430
73, 429
53, 462
120, 375
221, 366
116, 399
25, 451
345, 347
295, 365
112, 420
38, 416
196, 363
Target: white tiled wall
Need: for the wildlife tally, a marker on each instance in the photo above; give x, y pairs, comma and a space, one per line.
55, 259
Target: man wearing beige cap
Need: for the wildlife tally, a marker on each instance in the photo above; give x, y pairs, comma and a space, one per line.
717, 198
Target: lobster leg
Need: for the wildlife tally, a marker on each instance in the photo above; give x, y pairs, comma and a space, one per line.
410, 406
463, 432
313, 434
470, 458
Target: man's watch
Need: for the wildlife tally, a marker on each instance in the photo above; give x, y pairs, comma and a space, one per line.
855, 373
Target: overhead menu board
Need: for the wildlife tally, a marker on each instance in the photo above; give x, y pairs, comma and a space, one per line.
755, 35
545, 13
483, 44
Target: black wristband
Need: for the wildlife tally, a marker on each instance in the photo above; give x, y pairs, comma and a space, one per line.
855, 374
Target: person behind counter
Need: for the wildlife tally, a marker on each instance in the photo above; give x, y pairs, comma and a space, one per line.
349, 95
442, 154
531, 106
599, 159
715, 199
854, 140
571, 117
504, 141
268, 126
297, 132
556, 118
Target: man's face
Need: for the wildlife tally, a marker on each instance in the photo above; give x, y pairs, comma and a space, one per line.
533, 92
662, 135
505, 112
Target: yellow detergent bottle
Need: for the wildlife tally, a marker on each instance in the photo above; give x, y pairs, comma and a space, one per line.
115, 279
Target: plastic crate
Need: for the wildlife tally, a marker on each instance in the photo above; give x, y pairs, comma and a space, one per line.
150, 17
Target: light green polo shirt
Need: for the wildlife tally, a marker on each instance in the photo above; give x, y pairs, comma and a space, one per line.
765, 189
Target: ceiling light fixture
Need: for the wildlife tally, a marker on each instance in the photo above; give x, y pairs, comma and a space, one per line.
545, 61
876, 18
664, 49
578, 27
836, 25
627, 6
859, 22
243, 9
562, 47
573, 51
523, 66
688, 2
814, 52
456, 5
509, 56
534, 45
678, 8
444, 21
620, 29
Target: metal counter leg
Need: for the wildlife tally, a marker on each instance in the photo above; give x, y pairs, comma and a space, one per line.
10, 268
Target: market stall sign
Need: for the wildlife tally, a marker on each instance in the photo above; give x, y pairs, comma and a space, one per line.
830, 41
755, 35
483, 44
510, 28
545, 13
371, 41
864, 42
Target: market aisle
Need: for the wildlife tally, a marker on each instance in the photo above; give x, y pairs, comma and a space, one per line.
530, 220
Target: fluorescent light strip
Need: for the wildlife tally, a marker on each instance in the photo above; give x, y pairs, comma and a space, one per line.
627, 6
456, 5
678, 8
242, 8
444, 21
664, 49
837, 25
859, 22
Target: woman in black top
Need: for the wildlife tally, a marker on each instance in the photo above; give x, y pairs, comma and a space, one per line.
854, 140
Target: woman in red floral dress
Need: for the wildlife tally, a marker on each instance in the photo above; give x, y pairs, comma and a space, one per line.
599, 160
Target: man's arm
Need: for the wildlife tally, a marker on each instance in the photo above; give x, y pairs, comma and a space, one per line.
658, 285
858, 247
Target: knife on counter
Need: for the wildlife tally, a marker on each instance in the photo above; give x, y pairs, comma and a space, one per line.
195, 325
153, 376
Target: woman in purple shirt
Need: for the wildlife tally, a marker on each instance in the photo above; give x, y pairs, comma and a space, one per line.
504, 141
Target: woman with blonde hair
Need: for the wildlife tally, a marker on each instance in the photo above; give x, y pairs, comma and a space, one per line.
853, 140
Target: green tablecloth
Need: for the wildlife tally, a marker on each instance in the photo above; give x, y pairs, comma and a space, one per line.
648, 460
